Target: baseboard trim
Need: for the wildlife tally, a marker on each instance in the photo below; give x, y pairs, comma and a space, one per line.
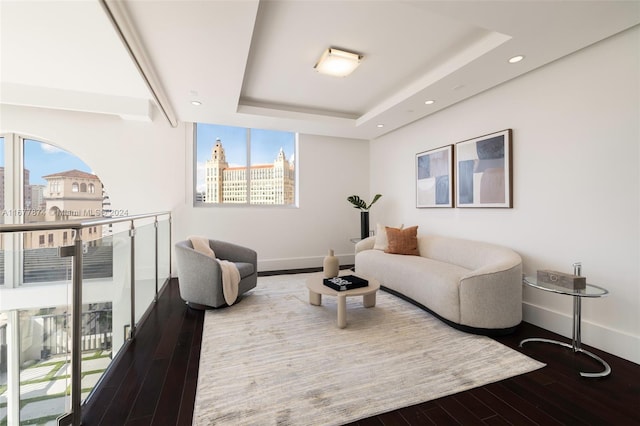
298, 271
300, 262
615, 342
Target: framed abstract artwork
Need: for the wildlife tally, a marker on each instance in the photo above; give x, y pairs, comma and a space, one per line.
483, 172
434, 172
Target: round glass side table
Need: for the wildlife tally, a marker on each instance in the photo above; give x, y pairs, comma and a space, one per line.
592, 291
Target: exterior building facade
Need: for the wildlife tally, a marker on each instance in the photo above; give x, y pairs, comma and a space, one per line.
70, 195
25, 183
264, 184
37, 196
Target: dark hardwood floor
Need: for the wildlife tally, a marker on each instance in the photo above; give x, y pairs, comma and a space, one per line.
153, 382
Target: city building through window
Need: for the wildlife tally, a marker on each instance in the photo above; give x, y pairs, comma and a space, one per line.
241, 166
56, 186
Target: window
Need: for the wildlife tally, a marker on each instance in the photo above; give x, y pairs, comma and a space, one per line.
2, 186
54, 187
241, 166
83, 187
74, 187
43, 193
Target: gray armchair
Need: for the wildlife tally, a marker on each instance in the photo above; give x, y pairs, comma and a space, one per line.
200, 276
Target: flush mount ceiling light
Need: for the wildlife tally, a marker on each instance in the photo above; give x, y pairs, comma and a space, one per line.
429, 102
196, 103
516, 59
338, 63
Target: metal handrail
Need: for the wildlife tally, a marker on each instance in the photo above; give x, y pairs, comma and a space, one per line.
74, 417
75, 224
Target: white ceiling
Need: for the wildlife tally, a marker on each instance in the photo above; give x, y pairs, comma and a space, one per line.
251, 62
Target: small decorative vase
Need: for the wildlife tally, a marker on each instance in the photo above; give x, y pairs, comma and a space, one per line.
330, 265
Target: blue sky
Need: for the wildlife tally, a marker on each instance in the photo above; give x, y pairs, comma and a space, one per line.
265, 145
42, 159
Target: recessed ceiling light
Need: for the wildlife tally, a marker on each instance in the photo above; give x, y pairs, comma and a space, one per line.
516, 59
338, 63
380, 125
196, 103
429, 102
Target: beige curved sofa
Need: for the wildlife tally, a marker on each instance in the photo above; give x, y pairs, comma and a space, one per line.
471, 285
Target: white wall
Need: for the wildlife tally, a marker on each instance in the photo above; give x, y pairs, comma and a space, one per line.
576, 137
331, 169
148, 167
139, 163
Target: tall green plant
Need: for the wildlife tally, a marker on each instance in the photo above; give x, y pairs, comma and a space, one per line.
359, 203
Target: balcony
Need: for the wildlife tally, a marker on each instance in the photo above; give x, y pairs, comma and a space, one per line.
50, 358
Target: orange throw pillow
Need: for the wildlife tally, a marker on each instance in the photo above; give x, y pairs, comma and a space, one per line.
403, 241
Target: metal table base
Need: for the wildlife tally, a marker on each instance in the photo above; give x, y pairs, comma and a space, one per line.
576, 337
604, 373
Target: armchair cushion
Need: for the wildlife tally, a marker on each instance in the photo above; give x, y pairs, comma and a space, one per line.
200, 276
245, 269
201, 245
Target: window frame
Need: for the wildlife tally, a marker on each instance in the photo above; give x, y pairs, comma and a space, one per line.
14, 198
247, 204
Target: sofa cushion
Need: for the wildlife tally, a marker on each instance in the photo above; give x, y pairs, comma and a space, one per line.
382, 242
403, 241
468, 254
434, 284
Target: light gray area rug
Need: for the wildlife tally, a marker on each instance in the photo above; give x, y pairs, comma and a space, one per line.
273, 359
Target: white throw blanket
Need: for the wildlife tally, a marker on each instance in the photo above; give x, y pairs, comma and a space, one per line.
230, 273
230, 280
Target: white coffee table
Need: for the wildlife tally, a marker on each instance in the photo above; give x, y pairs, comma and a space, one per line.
317, 289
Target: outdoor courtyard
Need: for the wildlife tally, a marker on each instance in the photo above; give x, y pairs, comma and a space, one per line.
45, 387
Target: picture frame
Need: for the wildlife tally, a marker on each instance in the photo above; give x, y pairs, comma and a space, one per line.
434, 178
484, 172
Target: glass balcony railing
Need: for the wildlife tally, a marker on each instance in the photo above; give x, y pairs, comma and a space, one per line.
51, 359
